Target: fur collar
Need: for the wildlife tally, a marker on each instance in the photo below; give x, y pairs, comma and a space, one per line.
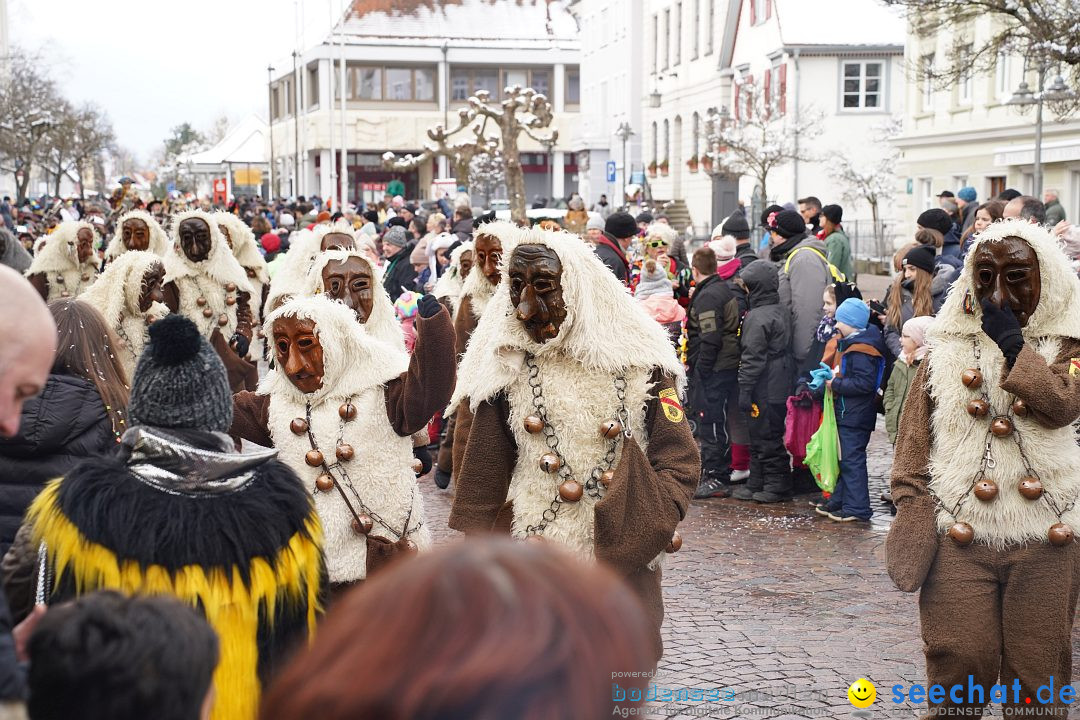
244, 247
117, 290
353, 359
159, 241
1056, 314
219, 265
604, 330
479, 290
59, 253
294, 265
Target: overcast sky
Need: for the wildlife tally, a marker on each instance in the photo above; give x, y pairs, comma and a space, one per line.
155, 64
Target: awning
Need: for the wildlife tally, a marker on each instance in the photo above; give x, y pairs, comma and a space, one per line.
1024, 154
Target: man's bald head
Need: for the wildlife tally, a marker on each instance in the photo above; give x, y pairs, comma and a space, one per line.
27, 349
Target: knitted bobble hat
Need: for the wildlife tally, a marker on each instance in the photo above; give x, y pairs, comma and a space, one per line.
180, 382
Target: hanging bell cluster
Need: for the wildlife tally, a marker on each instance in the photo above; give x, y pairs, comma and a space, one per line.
570, 490
208, 312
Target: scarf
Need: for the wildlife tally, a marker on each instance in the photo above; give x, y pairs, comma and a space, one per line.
779, 252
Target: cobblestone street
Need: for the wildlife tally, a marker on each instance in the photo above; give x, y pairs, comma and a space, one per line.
782, 606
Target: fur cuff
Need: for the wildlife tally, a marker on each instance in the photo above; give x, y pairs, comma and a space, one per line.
912, 543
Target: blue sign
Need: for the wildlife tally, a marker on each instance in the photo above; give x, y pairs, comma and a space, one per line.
638, 177
611, 171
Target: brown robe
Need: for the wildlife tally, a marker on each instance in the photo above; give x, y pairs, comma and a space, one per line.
647, 498
412, 399
457, 429
975, 602
243, 375
41, 284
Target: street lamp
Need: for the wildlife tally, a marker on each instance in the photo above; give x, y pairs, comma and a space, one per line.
270, 99
624, 132
1024, 98
549, 145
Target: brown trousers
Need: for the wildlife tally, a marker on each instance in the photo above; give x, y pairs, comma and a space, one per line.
445, 458
1000, 616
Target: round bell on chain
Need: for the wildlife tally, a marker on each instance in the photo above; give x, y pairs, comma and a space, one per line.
230, 300
149, 319
417, 466
535, 538
961, 533
200, 301
207, 313
347, 411
986, 490
85, 278
299, 426
314, 458
570, 490
1001, 426
550, 463
1031, 487
1060, 534
60, 279
223, 320
324, 483
533, 424
978, 408
972, 378
410, 546
610, 429
65, 294
259, 334
606, 477
675, 543
344, 452
362, 525
230, 287
1020, 408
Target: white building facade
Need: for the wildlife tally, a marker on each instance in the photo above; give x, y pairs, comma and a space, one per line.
405, 73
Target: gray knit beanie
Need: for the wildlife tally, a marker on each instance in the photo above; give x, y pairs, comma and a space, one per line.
180, 382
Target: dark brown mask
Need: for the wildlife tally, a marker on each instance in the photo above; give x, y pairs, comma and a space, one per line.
536, 292
350, 282
151, 291
466, 263
337, 241
84, 244
1007, 273
298, 352
225, 232
135, 234
194, 236
487, 253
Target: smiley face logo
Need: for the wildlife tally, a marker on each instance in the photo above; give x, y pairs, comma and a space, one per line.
862, 693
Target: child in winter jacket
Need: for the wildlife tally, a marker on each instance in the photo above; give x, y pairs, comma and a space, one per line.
914, 348
855, 385
656, 295
765, 371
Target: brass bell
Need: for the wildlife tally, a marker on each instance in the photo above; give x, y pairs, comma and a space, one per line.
978, 408
550, 463
606, 477
314, 458
149, 319
611, 429
675, 543
972, 378
200, 301
1031, 488
299, 426
1020, 408
417, 466
570, 490
230, 300
65, 294
223, 320
60, 279
362, 524
344, 452
533, 424
1060, 534
535, 538
986, 490
324, 483
961, 533
207, 313
410, 546
346, 411
1001, 426
85, 278
230, 287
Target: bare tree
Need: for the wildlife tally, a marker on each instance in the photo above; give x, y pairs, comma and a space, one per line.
29, 107
487, 173
873, 179
460, 153
77, 137
760, 138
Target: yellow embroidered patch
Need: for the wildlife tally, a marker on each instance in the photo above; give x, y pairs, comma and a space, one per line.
669, 400
1074, 366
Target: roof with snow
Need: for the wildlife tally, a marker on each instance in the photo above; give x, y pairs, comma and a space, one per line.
488, 21
245, 142
839, 22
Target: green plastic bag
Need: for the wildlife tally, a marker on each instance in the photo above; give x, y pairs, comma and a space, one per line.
823, 450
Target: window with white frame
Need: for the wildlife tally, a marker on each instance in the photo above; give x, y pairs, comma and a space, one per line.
926, 193
863, 85
963, 87
696, 130
1001, 75
655, 43
709, 25
676, 35
695, 42
927, 80
761, 11
665, 57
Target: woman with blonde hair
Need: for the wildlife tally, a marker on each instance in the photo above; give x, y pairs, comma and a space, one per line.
914, 293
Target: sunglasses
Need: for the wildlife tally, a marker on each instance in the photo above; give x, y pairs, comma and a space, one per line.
656, 244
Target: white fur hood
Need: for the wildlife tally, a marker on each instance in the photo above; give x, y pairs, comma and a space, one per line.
117, 290
244, 246
60, 254
159, 241
220, 265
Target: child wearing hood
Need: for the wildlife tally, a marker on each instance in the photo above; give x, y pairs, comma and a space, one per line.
914, 349
656, 296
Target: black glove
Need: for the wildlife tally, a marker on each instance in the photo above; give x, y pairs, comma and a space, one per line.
240, 344
746, 400
422, 454
428, 306
1001, 325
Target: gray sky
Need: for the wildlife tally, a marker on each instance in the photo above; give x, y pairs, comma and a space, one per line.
155, 64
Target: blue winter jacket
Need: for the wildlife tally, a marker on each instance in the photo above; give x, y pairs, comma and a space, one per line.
855, 388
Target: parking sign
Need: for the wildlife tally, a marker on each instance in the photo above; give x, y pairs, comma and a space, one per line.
611, 171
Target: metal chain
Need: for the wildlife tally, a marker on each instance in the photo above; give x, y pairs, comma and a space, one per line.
592, 486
